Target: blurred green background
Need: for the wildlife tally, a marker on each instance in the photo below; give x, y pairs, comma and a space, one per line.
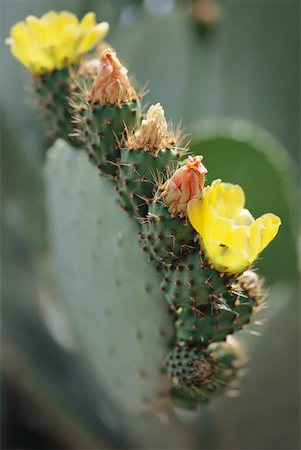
227, 70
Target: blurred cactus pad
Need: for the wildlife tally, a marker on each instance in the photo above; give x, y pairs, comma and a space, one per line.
112, 294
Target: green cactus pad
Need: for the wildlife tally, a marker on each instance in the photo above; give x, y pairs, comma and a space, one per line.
193, 282
138, 171
166, 239
199, 375
53, 92
101, 127
212, 323
109, 290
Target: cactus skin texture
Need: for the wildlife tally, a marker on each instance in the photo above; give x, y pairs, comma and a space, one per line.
165, 238
136, 182
198, 374
53, 92
212, 323
101, 127
110, 292
192, 282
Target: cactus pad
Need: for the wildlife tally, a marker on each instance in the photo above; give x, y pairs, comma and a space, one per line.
166, 239
101, 127
110, 292
212, 323
193, 282
138, 171
53, 92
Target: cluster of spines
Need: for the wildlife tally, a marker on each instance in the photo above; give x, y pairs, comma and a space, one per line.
101, 127
199, 374
167, 240
136, 177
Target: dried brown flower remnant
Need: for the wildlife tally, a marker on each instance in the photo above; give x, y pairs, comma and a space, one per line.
154, 133
112, 84
252, 284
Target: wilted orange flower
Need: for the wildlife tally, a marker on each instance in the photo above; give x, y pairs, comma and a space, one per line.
186, 184
112, 84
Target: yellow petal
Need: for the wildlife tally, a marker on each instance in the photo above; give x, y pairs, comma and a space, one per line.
55, 40
88, 21
50, 17
244, 218
91, 39
68, 17
227, 259
231, 200
271, 224
194, 213
35, 29
263, 231
215, 227
19, 33
239, 239
19, 54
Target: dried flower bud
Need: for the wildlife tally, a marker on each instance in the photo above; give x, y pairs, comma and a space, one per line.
186, 184
250, 282
112, 84
153, 134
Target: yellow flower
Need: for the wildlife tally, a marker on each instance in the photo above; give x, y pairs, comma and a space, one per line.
54, 41
230, 237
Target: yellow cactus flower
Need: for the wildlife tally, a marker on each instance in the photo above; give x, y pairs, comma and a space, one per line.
54, 41
230, 237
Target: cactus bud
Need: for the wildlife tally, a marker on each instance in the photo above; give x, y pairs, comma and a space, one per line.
153, 134
186, 184
112, 84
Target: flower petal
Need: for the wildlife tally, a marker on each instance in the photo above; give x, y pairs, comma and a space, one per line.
55, 40
91, 38
230, 237
194, 212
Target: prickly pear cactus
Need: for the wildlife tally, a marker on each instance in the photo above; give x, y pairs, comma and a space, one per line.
111, 293
202, 240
